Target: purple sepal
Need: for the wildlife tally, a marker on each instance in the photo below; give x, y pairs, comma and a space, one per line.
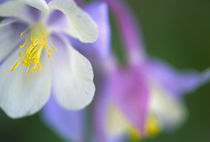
175, 82
68, 124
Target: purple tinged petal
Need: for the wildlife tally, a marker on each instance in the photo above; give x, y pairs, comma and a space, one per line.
55, 18
99, 12
48, 1
68, 124
129, 30
176, 82
131, 94
1, 1
33, 13
121, 138
80, 2
99, 116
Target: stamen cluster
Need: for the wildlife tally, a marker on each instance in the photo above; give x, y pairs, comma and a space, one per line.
31, 49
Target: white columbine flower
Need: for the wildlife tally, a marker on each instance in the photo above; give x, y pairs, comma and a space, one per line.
36, 59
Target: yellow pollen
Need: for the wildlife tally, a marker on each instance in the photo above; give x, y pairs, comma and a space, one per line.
31, 49
152, 128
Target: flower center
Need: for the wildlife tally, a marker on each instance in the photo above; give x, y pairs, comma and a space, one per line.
32, 47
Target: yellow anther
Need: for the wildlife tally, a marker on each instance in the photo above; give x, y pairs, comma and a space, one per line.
152, 128
32, 47
134, 133
55, 48
50, 51
21, 34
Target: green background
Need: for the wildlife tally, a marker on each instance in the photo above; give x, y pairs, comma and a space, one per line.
176, 31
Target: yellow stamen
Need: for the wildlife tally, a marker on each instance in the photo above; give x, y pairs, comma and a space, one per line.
152, 128
32, 48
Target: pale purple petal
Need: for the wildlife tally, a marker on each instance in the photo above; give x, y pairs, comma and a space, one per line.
33, 13
1, 1
68, 124
174, 81
130, 92
129, 29
121, 138
48, 1
99, 12
56, 18
100, 110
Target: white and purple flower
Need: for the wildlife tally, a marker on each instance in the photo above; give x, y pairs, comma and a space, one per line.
36, 58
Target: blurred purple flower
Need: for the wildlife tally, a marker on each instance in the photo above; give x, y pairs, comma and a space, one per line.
144, 88
140, 98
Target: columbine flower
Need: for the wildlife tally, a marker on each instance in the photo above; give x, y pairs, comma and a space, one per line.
143, 100
144, 96
35, 55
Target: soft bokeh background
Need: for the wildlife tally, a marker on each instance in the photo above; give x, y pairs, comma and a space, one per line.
176, 31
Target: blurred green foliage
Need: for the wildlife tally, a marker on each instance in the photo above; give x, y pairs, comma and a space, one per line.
176, 31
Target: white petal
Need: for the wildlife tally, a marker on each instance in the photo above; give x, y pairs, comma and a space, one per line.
10, 8
6, 22
23, 95
80, 25
19, 10
72, 77
170, 112
39, 4
8, 40
14, 9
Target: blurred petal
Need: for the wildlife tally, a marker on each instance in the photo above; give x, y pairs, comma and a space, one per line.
99, 12
80, 25
73, 77
117, 123
23, 95
131, 95
101, 115
169, 111
1, 1
176, 82
68, 124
